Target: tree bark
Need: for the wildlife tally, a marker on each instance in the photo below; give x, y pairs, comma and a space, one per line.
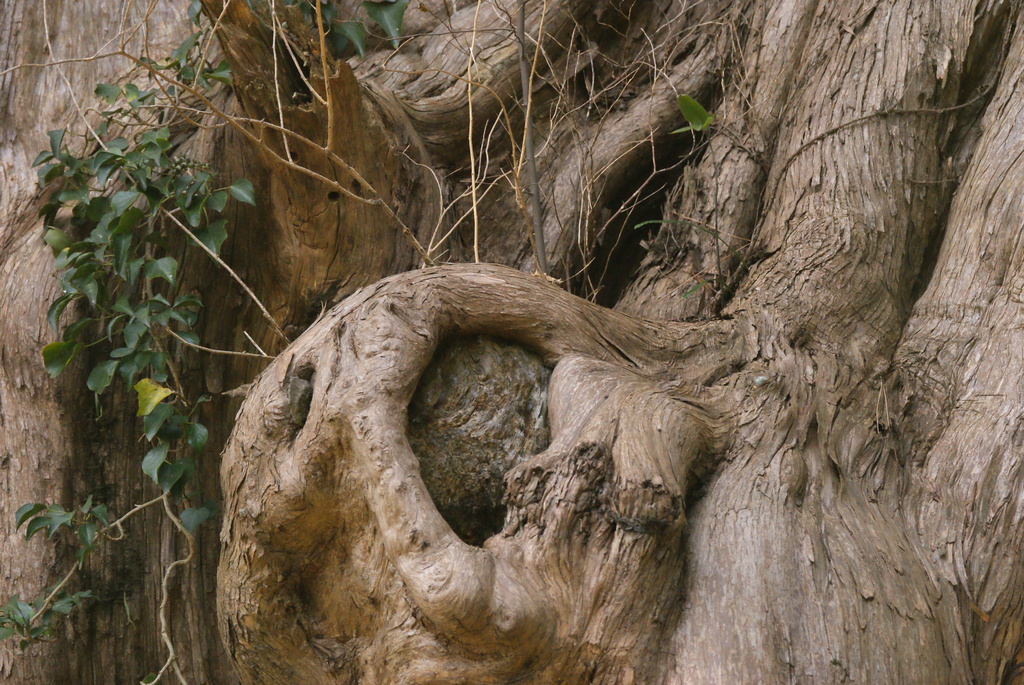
789, 450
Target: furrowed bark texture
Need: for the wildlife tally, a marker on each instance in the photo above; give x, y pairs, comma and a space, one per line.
810, 534
790, 451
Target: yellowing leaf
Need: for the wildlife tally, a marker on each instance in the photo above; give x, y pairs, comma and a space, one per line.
150, 395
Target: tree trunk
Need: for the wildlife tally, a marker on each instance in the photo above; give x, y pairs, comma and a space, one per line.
761, 426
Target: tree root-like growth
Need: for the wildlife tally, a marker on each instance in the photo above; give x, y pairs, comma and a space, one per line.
337, 563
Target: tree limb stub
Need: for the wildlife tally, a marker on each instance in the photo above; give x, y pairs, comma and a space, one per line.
630, 426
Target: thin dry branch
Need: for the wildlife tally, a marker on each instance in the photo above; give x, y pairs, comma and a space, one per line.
67, 82
329, 105
215, 257
229, 353
277, 80
526, 74
472, 153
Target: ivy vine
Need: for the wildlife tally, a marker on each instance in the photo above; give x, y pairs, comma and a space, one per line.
105, 224
116, 191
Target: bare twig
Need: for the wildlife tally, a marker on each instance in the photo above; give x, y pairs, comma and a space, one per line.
213, 33
134, 510
299, 67
215, 257
526, 74
472, 153
255, 344
60, 62
323, 67
277, 82
230, 353
67, 82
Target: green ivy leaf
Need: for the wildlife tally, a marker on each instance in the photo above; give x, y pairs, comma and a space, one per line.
123, 306
57, 240
65, 258
44, 156
132, 93
58, 518
329, 12
49, 172
150, 395
74, 195
100, 512
77, 328
174, 475
221, 73
355, 32
196, 435
172, 429
188, 300
64, 605
154, 459
122, 200
108, 92
152, 422
197, 186
193, 518
80, 556
129, 220
132, 270
120, 244
57, 355
35, 525
242, 191
213, 236
156, 136
180, 53
19, 611
40, 632
104, 172
117, 145
101, 375
87, 534
388, 15
56, 309
165, 268
695, 115
27, 511
91, 289
56, 140
217, 201
194, 213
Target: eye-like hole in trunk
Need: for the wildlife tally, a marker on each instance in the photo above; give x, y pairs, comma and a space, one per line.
480, 409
